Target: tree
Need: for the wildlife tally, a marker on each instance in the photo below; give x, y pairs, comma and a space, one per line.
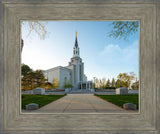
118, 83
48, 85
103, 83
108, 84
32, 80
132, 77
35, 27
97, 82
55, 83
113, 83
25, 69
123, 29
126, 79
39, 78
123, 76
135, 85
100, 83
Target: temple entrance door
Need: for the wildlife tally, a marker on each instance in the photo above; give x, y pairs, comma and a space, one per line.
84, 86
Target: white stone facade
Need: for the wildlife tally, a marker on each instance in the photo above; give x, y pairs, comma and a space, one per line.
61, 73
73, 73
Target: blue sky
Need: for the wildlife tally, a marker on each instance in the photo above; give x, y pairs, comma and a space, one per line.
103, 56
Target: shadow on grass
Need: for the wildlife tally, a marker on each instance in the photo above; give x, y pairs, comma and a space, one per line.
119, 100
39, 99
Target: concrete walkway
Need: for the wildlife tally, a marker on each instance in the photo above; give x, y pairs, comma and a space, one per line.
81, 103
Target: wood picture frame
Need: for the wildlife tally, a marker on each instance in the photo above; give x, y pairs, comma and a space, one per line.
145, 121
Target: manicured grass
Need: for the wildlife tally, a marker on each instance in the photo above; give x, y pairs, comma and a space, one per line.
38, 99
121, 99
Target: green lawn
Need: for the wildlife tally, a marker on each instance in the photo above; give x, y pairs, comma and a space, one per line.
121, 99
38, 99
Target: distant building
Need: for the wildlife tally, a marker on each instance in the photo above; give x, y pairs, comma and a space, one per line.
72, 74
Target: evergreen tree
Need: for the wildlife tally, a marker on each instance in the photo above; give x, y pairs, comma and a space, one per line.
108, 84
113, 84
33, 79
118, 83
39, 78
25, 69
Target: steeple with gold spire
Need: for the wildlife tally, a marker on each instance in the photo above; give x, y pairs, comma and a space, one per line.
76, 43
76, 48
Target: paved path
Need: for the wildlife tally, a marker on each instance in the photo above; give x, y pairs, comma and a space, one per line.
81, 103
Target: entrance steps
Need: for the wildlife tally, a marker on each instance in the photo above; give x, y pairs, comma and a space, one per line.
80, 91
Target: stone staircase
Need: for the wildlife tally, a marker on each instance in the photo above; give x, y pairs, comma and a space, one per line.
80, 91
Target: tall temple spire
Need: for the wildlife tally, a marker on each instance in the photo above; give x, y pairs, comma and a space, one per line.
76, 48
76, 42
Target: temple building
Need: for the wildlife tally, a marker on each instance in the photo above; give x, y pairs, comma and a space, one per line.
72, 74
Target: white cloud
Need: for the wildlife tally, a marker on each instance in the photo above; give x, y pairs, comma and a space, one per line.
115, 54
113, 59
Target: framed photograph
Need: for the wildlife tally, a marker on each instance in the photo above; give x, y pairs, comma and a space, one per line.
80, 66
100, 80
